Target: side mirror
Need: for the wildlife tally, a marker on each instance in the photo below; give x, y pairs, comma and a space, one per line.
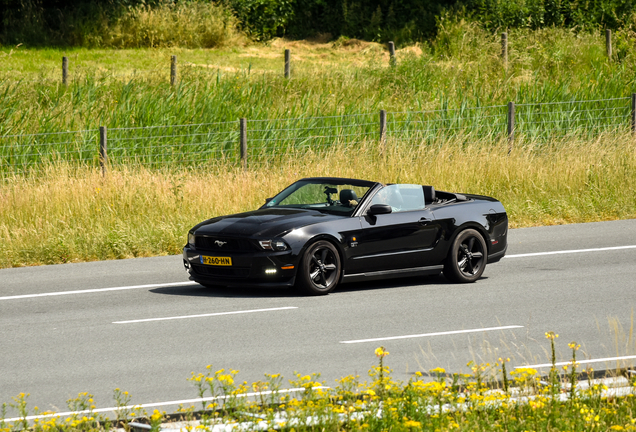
377, 209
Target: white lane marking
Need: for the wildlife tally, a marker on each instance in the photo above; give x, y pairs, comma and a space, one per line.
59, 293
571, 251
157, 404
606, 359
432, 334
95, 290
204, 315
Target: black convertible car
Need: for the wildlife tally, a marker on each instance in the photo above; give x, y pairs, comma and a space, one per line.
323, 231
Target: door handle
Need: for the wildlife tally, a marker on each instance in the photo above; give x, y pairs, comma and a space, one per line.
424, 220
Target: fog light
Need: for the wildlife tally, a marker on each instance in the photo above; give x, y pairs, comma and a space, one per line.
270, 271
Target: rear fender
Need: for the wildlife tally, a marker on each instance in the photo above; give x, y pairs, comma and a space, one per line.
471, 225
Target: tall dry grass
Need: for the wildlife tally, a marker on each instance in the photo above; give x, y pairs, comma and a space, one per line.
189, 24
73, 214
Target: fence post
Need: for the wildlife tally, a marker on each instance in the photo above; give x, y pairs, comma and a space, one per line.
382, 127
287, 63
392, 59
173, 70
103, 149
243, 141
633, 114
504, 48
511, 125
608, 43
65, 71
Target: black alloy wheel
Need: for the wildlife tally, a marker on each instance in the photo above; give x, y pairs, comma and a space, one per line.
320, 268
467, 257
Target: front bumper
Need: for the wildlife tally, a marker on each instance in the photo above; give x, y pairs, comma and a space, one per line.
263, 269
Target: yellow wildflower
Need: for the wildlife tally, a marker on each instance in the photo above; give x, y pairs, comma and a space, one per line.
381, 352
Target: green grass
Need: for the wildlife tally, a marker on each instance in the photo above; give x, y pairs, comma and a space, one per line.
123, 88
458, 80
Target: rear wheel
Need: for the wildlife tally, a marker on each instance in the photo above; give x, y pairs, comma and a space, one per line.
320, 269
467, 257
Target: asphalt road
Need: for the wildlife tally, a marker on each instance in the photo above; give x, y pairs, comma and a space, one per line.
64, 332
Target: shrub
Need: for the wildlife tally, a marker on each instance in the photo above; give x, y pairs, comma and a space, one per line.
192, 25
163, 23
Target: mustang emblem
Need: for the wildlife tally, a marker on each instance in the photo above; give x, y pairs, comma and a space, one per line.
219, 243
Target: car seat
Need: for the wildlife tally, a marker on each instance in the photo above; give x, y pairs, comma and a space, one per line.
347, 196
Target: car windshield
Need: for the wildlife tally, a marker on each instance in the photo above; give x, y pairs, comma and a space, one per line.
334, 196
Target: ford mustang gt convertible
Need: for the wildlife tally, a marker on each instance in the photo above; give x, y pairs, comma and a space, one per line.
323, 231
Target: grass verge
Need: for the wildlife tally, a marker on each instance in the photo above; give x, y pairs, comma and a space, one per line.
63, 214
489, 398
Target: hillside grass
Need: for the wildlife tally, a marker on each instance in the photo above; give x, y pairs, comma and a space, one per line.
461, 67
68, 214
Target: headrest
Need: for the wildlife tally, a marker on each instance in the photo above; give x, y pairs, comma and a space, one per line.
347, 195
429, 194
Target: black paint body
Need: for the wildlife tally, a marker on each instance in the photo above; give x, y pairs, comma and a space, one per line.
406, 243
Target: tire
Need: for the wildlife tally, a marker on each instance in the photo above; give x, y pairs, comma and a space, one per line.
319, 269
467, 257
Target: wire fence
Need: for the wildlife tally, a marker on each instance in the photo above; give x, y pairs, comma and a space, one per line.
177, 145
272, 138
577, 118
21, 152
264, 140
424, 126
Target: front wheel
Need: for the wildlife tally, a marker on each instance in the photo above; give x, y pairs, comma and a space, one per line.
467, 257
320, 269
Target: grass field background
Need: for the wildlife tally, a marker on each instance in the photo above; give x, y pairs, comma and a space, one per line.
461, 67
68, 212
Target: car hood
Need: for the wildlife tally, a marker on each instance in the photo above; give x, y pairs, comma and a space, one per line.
267, 222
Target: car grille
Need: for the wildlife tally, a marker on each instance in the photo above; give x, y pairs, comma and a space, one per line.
237, 272
222, 244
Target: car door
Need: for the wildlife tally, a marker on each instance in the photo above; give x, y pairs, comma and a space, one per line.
402, 239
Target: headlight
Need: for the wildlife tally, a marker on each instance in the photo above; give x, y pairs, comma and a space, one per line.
190, 239
275, 245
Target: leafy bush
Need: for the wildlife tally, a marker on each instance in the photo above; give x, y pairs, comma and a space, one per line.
405, 21
121, 24
86, 23
546, 13
193, 25
263, 19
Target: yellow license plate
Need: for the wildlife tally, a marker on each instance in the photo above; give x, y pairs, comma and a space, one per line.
216, 261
